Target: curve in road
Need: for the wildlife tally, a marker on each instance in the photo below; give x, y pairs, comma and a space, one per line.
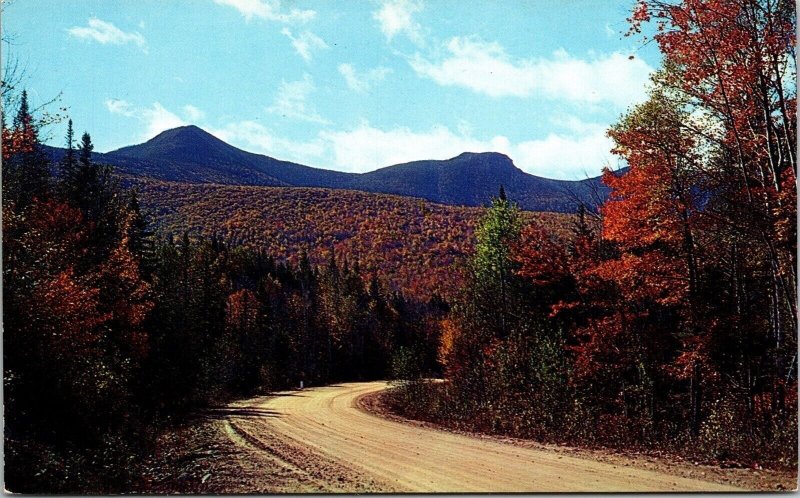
394, 456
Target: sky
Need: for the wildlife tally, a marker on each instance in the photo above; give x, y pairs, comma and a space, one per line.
348, 85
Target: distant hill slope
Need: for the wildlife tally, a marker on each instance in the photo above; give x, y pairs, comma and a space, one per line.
190, 154
413, 245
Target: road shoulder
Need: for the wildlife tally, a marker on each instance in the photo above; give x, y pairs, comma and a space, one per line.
753, 479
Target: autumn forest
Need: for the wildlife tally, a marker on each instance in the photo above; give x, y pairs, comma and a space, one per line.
663, 319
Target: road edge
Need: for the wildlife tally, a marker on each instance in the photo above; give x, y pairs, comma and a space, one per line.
374, 403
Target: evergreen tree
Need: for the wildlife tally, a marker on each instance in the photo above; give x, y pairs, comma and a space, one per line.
26, 169
68, 162
85, 151
92, 188
140, 236
69, 167
23, 118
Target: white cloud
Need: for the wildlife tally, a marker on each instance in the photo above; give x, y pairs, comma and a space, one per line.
192, 113
362, 82
577, 126
576, 150
269, 10
366, 148
292, 101
106, 33
564, 156
397, 17
305, 43
155, 118
485, 67
580, 151
159, 119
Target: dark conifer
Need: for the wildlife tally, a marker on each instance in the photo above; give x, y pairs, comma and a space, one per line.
85, 150
26, 175
69, 167
141, 238
23, 117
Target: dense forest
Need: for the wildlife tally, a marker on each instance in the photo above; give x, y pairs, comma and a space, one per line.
412, 246
113, 333
669, 321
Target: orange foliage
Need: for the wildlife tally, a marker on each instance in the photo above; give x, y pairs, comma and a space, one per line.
413, 245
450, 331
68, 315
542, 257
241, 311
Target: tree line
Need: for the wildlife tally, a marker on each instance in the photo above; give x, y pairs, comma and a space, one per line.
113, 333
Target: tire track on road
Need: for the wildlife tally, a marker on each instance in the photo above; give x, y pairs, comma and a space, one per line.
321, 432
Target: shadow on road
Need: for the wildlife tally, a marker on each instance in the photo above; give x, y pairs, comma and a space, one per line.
220, 413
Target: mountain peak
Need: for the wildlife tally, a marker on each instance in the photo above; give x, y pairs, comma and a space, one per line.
485, 155
183, 142
189, 133
495, 161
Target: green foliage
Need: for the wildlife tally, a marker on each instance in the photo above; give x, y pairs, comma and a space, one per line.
406, 365
493, 271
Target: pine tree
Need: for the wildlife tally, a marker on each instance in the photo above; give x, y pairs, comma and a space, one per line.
95, 191
68, 161
23, 117
26, 169
140, 237
69, 167
85, 150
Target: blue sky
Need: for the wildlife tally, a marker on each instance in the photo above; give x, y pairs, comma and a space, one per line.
350, 85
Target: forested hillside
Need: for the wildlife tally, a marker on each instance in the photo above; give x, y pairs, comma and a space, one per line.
413, 246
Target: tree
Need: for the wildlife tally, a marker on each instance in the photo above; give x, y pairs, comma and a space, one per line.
483, 312
69, 165
85, 149
492, 268
26, 170
733, 59
139, 234
726, 65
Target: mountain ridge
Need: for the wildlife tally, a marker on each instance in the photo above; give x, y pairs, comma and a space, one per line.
191, 154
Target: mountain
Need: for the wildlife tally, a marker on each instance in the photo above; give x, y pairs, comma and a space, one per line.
471, 179
192, 155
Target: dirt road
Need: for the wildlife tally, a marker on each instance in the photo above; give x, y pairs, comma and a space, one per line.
320, 435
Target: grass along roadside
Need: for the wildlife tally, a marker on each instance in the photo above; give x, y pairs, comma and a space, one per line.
380, 404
